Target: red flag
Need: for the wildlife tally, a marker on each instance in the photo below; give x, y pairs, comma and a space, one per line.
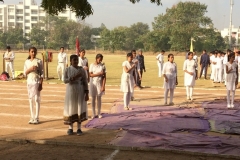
77, 46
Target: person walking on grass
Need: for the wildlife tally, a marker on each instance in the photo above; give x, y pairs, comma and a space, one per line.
76, 94
62, 63
190, 75
97, 72
170, 78
127, 80
231, 79
140, 59
9, 57
33, 70
160, 61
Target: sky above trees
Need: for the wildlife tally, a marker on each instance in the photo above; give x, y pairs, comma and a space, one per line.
124, 13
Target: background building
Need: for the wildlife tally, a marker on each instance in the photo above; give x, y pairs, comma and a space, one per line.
26, 15
235, 33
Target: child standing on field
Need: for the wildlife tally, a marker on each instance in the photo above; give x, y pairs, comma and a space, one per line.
97, 72
231, 79
190, 75
127, 80
170, 78
33, 70
160, 61
76, 93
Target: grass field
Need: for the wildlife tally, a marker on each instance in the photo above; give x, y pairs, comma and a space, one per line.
113, 64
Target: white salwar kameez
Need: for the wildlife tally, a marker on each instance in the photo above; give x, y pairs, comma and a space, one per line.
96, 84
33, 80
170, 70
74, 110
160, 61
84, 63
127, 83
231, 82
189, 80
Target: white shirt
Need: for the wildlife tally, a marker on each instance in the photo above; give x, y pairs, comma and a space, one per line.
135, 61
82, 62
160, 58
35, 62
225, 59
10, 55
62, 58
170, 70
219, 63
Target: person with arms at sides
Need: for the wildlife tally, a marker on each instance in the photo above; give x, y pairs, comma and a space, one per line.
76, 93
238, 62
83, 62
9, 57
170, 78
190, 75
33, 70
231, 79
136, 72
62, 63
218, 68
225, 61
195, 58
127, 80
160, 61
204, 63
97, 72
140, 59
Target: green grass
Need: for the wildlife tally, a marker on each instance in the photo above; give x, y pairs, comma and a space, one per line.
114, 68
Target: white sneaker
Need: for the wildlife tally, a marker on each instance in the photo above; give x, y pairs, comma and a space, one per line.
228, 106
232, 105
36, 121
99, 116
31, 121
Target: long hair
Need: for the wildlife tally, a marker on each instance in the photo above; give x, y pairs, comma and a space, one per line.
231, 55
169, 55
35, 50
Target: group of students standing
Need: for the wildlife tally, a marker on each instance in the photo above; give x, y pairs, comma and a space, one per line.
78, 74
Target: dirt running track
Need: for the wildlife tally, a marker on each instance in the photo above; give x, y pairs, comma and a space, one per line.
14, 117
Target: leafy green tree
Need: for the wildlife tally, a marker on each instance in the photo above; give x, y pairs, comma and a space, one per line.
183, 21
82, 8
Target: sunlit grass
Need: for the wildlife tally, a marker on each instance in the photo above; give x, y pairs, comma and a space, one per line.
113, 64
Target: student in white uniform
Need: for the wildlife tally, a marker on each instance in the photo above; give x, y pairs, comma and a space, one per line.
9, 57
136, 72
33, 70
160, 61
76, 94
189, 68
238, 62
170, 78
127, 80
213, 65
195, 58
222, 57
231, 79
225, 61
97, 72
218, 68
62, 63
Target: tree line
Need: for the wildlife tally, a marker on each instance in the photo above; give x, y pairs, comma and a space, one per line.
170, 31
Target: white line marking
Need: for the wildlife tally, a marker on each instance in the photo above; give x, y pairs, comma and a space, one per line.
35, 129
112, 155
24, 115
48, 107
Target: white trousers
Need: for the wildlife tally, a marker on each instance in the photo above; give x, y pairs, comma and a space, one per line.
160, 67
99, 103
228, 97
126, 99
9, 65
35, 99
218, 75
60, 70
189, 91
166, 95
213, 72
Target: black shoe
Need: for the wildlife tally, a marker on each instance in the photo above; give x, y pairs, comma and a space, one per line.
79, 132
70, 132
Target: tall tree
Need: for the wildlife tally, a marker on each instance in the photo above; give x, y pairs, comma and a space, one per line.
82, 8
183, 21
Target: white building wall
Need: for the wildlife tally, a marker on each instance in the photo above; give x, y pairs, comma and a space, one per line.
25, 15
